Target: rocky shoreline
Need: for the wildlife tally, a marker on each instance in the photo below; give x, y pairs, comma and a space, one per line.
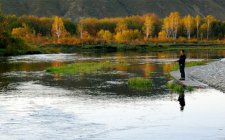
212, 74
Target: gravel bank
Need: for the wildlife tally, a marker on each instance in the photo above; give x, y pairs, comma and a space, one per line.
212, 74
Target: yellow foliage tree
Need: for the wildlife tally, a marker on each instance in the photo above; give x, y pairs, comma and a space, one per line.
80, 28
86, 35
24, 31
121, 26
58, 28
171, 24
105, 34
209, 19
203, 30
167, 27
175, 23
162, 35
127, 35
148, 26
188, 22
197, 21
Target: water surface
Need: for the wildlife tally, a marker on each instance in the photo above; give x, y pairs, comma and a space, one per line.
37, 105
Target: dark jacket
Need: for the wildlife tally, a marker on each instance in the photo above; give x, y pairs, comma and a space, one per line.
182, 60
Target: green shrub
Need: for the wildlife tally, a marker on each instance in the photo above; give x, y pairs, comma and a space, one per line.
12, 45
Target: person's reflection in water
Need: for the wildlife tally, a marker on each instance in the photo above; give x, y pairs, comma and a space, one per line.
181, 100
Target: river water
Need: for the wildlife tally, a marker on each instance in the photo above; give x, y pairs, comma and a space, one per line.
37, 105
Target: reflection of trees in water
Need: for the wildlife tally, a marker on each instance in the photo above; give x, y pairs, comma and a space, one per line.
23, 66
56, 63
163, 55
143, 69
167, 67
149, 68
206, 54
7, 67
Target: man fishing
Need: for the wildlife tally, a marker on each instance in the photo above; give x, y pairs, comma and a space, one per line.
182, 64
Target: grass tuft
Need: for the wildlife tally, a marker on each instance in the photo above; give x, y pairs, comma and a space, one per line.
190, 88
178, 88
175, 87
139, 83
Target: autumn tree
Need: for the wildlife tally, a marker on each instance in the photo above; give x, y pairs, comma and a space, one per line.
80, 28
162, 35
58, 28
148, 26
188, 22
203, 30
167, 27
105, 34
24, 31
209, 19
197, 22
107, 24
127, 35
175, 22
134, 22
171, 24
41, 25
121, 26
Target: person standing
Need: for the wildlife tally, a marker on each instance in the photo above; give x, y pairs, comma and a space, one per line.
181, 61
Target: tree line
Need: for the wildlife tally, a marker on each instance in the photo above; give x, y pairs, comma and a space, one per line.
148, 27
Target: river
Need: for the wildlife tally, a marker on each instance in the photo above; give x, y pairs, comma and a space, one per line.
37, 105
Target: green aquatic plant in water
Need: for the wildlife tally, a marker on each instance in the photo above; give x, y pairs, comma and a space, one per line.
167, 75
178, 88
190, 64
81, 68
189, 88
139, 83
175, 87
151, 74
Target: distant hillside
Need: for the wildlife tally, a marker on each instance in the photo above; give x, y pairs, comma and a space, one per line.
111, 8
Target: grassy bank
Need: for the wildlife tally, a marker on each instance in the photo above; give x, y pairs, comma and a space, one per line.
114, 47
190, 64
22, 48
10, 45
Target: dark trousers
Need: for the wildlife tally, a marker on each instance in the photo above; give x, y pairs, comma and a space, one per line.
182, 72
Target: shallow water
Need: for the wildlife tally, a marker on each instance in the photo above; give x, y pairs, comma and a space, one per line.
38, 105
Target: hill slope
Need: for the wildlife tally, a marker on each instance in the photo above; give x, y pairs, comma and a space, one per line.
111, 8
